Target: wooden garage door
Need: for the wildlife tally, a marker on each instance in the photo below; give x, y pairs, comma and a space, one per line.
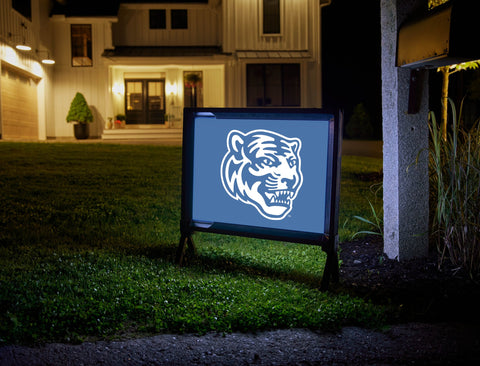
19, 105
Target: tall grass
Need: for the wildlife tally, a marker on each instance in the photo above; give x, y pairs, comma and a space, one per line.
455, 181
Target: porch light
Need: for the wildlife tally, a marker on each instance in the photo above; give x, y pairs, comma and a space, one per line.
118, 88
172, 89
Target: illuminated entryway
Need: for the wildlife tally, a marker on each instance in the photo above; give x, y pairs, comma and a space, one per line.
145, 101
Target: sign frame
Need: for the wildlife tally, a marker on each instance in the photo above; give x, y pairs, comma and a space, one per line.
328, 240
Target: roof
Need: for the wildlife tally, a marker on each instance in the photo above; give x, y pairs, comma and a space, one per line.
163, 51
100, 8
86, 8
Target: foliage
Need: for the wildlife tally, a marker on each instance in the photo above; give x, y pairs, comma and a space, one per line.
446, 72
79, 110
360, 196
376, 223
455, 179
359, 125
434, 3
79, 264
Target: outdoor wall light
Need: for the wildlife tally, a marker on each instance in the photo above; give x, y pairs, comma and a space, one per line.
46, 60
118, 88
172, 89
23, 46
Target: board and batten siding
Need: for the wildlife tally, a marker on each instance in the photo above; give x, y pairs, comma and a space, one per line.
242, 26
91, 81
133, 28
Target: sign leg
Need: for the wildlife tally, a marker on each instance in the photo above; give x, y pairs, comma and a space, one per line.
185, 245
331, 271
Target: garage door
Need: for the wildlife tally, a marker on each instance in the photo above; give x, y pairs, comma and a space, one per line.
19, 105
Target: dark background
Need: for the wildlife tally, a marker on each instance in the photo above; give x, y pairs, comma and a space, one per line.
351, 58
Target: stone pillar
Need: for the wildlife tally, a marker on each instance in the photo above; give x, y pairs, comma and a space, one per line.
405, 184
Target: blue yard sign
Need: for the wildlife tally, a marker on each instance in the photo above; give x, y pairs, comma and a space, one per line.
267, 173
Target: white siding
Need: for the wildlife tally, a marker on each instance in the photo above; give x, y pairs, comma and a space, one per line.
92, 81
242, 26
133, 27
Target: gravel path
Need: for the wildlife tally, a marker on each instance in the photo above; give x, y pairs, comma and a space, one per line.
413, 343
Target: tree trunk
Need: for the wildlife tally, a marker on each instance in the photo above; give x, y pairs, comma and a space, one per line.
444, 116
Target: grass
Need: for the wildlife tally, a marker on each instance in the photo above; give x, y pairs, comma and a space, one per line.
88, 234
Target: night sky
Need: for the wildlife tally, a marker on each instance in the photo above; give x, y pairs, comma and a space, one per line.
351, 57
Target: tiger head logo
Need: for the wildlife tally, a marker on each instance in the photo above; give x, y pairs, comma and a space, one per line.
263, 169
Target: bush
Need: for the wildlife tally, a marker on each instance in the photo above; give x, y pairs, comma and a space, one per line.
79, 110
359, 125
455, 180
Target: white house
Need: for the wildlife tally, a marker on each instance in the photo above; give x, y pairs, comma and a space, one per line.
147, 60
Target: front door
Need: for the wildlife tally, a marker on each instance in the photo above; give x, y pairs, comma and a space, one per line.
145, 101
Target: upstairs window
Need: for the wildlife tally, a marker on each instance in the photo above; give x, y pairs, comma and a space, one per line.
179, 18
271, 17
81, 45
24, 7
158, 19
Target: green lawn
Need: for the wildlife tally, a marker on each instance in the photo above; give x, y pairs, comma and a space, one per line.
88, 234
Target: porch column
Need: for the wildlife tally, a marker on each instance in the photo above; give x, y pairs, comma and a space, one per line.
405, 184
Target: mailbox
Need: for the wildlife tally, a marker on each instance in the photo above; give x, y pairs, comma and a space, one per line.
445, 36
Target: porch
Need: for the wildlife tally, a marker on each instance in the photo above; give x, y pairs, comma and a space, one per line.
144, 133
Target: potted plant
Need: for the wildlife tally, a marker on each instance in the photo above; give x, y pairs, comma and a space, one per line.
120, 121
81, 115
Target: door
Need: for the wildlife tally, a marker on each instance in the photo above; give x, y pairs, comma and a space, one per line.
271, 85
19, 105
145, 101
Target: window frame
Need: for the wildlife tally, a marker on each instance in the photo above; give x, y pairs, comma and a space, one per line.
265, 86
172, 19
153, 13
88, 46
261, 18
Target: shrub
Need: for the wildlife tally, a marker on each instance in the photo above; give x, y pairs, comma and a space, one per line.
455, 180
359, 125
79, 110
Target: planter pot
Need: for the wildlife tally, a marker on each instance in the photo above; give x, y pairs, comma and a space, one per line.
81, 131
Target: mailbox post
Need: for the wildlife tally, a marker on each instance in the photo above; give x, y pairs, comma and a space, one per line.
413, 41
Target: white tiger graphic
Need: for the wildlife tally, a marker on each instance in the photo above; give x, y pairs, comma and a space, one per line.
263, 169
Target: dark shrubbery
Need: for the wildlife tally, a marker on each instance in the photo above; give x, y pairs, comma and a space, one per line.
359, 126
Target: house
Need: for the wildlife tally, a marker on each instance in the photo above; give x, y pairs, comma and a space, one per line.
147, 60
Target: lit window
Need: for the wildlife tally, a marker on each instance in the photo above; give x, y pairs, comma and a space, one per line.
81, 45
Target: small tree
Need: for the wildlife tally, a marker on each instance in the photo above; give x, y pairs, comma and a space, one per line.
79, 110
446, 72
